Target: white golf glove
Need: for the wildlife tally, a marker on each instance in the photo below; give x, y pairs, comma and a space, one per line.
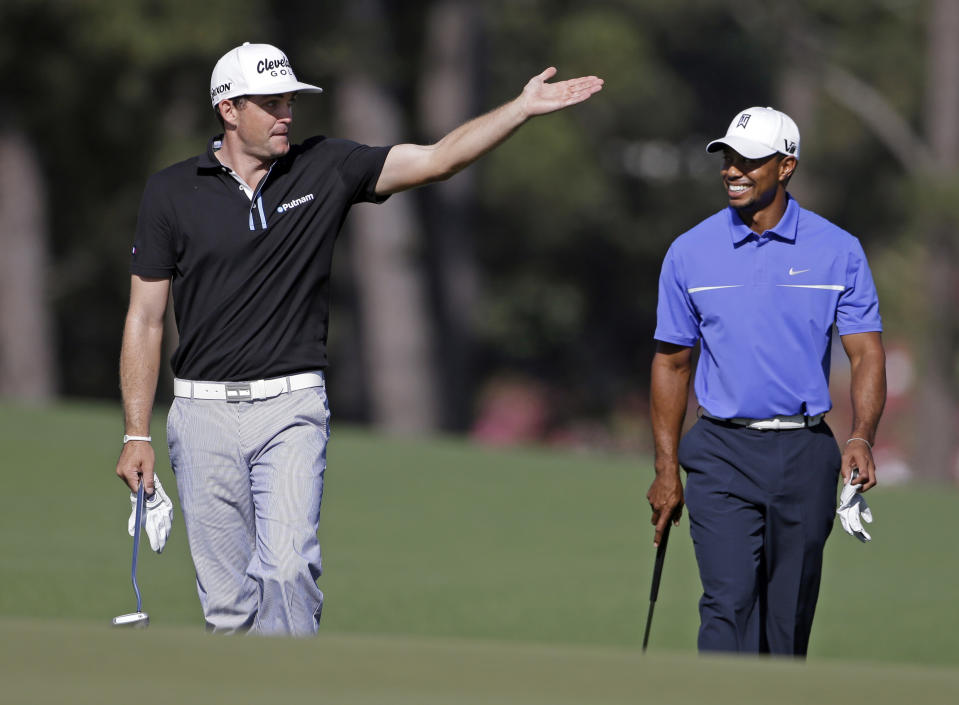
156, 517
853, 511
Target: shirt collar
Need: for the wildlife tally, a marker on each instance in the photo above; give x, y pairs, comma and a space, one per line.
209, 160
785, 229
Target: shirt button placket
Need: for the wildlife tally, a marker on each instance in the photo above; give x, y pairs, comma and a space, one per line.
761, 275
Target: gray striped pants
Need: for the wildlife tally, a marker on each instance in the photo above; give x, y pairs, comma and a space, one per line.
250, 479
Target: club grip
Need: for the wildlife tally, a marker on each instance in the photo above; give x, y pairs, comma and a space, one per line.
658, 565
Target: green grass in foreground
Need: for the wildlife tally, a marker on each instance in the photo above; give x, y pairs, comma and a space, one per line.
440, 539
50, 663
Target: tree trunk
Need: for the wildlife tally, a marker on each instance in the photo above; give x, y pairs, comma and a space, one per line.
26, 338
937, 450
395, 328
446, 97
798, 96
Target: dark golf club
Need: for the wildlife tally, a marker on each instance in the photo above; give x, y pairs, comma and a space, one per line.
657, 574
138, 619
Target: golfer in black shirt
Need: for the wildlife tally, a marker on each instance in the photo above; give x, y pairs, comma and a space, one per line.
244, 235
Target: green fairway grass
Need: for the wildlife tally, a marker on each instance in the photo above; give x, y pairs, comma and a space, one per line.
436, 541
51, 663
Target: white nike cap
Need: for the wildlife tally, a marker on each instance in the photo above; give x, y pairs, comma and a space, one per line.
759, 132
254, 69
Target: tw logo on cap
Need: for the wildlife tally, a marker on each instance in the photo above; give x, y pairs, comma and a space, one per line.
743, 120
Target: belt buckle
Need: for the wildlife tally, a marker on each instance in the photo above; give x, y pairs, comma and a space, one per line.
238, 391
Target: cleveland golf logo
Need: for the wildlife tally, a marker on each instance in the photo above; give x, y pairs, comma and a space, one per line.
284, 207
743, 120
275, 67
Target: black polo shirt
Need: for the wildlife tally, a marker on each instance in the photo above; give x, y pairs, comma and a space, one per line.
251, 279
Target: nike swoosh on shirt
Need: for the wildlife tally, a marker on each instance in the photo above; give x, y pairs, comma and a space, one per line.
794, 272
710, 288
830, 287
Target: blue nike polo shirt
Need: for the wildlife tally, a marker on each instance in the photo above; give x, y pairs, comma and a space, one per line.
763, 307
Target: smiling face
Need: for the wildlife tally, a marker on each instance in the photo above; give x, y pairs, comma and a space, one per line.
757, 187
262, 124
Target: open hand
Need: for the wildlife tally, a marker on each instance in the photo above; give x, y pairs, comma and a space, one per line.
540, 97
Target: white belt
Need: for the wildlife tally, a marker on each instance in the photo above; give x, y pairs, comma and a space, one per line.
777, 423
247, 391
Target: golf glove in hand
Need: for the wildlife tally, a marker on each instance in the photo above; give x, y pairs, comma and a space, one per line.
156, 518
853, 511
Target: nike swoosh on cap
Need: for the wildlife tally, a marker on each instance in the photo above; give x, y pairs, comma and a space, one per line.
794, 272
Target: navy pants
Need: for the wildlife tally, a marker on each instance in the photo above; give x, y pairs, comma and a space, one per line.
761, 505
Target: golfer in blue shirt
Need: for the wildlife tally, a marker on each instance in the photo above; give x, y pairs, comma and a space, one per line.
759, 286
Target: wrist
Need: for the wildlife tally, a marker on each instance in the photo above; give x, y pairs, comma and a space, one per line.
520, 112
666, 469
127, 438
859, 439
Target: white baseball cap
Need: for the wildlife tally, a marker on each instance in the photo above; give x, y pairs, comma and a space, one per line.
758, 132
254, 69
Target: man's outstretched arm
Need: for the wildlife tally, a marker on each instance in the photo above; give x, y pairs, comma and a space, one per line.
411, 165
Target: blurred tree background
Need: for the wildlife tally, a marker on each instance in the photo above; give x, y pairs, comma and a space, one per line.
516, 301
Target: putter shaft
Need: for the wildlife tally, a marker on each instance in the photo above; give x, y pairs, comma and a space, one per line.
136, 546
138, 619
657, 576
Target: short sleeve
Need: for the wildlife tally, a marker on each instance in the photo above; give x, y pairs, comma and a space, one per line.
154, 245
360, 169
858, 308
676, 319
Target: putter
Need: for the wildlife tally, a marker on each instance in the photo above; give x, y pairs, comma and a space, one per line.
657, 574
138, 619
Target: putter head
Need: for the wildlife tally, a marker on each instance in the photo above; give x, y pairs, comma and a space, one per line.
134, 620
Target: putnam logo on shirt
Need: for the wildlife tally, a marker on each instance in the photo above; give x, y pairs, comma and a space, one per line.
283, 208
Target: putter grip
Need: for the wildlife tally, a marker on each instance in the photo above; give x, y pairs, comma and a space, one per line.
658, 565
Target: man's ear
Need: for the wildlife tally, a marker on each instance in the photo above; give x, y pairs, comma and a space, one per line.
787, 166
227, 110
